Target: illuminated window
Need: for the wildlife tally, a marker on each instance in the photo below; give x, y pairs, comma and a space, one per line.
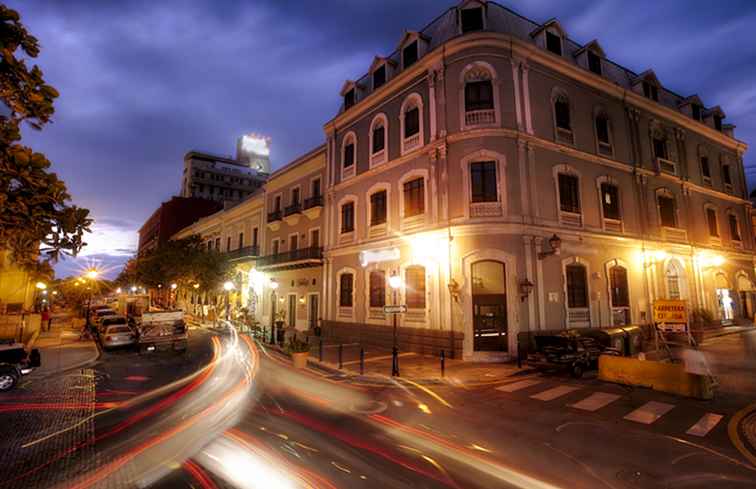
415, 287
610, 201
414, 197
377, 288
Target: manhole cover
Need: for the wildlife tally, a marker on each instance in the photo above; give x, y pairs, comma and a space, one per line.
369, 407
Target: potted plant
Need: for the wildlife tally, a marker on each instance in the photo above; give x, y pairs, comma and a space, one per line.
299, 351
280, 319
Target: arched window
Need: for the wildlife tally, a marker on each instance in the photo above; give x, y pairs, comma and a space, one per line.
378, 140
479, 95
415, 287
619, 295
712, 222
674, 275
562, 118
411, 122
577, 296
603, 128
348, 155
610, 204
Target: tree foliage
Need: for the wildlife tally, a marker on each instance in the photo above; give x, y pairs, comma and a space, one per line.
182, 261
34, 202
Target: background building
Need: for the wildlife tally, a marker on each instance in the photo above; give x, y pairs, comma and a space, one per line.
224, 179
172, 216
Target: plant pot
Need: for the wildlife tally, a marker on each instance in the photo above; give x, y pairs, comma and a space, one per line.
300, 359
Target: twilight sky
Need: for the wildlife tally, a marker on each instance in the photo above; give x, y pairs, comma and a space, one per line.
142, 82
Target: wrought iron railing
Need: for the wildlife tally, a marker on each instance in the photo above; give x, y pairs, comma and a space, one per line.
312, 253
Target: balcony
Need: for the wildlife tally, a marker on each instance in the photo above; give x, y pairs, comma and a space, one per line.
667, 166
312, 206
475, 118
274, 220
292, 213
674, 234
245, 253
290, 260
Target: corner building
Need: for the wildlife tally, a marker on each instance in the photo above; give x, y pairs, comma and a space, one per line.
516, 180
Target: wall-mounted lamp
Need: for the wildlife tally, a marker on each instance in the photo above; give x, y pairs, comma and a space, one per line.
526, 287
454, 290
555, 242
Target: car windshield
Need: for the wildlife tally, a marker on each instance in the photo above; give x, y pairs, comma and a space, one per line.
118, 329
115, 320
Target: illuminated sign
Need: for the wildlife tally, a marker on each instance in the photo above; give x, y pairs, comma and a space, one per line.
377, 256
672, 315
254, 144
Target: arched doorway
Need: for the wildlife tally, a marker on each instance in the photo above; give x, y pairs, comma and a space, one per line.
489, 304
724, 297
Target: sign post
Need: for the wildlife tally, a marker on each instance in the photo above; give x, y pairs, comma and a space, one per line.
671, 316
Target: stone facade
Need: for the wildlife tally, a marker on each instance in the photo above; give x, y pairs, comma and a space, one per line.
511, 180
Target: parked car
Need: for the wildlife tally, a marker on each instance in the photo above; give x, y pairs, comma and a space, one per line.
117, 335
112, 320
15, 362
98, 315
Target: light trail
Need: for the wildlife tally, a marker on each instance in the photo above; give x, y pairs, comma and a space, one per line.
199, 475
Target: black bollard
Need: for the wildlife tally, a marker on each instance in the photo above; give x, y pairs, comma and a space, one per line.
341, 351
395, 362
320, 350
362, 361
272, 334
443, 363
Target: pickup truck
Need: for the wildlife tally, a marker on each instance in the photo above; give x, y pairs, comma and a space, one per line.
15, 362
162, 331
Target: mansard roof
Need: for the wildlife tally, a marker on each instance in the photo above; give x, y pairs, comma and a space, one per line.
647, 76
410, 34
379, 60
693, 99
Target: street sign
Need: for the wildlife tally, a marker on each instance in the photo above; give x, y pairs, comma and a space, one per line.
395, 309
671, 315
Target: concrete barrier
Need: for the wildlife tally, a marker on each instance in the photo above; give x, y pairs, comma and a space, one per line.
664, 377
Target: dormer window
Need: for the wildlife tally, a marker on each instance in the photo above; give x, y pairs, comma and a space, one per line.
554, 43
696, 112
718, 123
471, 19
349, 99
379, 77
409, 55
651, 91
594, 62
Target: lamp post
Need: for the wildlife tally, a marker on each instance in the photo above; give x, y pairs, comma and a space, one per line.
173, 295
395, 281
92, 275
228, 287
41, 289
273, 287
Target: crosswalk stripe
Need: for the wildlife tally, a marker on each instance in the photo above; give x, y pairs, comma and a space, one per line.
553, 393
516, 386
649, 412
596, 401
704, 425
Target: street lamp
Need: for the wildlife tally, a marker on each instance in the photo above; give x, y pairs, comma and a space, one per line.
172, 296
228, 286
92, 275
395, 281
41, 285
133, 289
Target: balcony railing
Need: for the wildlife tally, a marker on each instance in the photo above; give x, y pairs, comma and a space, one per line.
313, 254
293, 209
245, 252
274, 216
314, 201
480, 117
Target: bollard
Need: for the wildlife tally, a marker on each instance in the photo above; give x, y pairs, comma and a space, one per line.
341, 350
395, 362
519, 355
362, 361
443, 363
320, 350
272, 334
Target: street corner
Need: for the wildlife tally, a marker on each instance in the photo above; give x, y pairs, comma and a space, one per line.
742, 432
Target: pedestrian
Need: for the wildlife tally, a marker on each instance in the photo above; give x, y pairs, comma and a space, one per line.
46, 319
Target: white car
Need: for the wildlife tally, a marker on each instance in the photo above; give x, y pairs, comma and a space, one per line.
118, 335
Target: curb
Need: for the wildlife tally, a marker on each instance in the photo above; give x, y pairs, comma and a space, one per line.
92, 359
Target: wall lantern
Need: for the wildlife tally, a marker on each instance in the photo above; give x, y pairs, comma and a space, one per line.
555, 242
526, 287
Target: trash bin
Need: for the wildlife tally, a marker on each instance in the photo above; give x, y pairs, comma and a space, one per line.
608, 337
633, 340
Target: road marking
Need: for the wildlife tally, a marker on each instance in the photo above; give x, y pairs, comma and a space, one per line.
649, 412
704, 425
551, 394
516, 386
596, 401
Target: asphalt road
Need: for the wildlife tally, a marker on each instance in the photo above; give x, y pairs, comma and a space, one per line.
230, 413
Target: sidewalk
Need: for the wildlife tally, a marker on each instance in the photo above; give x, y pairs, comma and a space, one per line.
61, 348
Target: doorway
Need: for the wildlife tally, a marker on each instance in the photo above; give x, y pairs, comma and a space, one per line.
312, 312
292, 316
489, 303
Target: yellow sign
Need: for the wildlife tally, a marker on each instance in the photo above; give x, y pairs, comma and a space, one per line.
670, 312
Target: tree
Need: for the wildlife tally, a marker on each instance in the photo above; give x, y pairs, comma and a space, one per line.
184, 262
36, 215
